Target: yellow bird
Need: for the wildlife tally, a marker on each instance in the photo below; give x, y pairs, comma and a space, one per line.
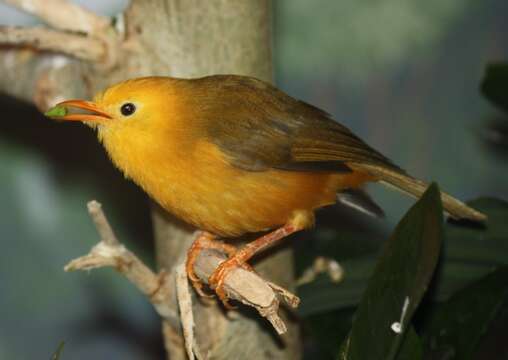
232, 155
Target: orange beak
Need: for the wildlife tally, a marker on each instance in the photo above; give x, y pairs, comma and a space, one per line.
96, 113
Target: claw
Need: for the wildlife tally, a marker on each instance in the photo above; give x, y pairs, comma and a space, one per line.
216, 280
206, 240
236, 258
198, 286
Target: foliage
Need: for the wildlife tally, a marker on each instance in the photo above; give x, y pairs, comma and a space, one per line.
495, 84
494, 87
467, 291
400, 279
403, 270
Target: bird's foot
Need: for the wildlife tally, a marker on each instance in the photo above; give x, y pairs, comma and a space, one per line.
237, 258
217, 279
205, 240
201, 241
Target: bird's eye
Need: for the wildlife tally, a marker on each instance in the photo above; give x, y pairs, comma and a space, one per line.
128, 109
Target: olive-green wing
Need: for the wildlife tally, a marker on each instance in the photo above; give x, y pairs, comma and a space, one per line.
258, 127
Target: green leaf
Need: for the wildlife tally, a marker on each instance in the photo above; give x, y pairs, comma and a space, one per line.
58, 352
472, 252
324, 330
457, 325
495, 84
56, 112
468, 254
400, 279
412, 347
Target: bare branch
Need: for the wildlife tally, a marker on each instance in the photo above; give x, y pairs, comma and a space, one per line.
185, 306
187, 318
110, 252
47, 77
240, 284
63, 14
81, 47
322, 265
101, 223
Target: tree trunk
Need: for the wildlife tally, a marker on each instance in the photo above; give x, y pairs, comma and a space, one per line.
181, 38
205, 38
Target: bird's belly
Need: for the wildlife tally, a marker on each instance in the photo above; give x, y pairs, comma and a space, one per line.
256, 201
231, 202
216, 196
234, 204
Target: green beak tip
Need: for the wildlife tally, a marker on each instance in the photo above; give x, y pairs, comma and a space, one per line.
56, 111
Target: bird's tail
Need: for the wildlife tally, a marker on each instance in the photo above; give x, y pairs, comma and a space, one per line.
414, 187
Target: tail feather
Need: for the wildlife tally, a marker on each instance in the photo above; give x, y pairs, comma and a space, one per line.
414, 187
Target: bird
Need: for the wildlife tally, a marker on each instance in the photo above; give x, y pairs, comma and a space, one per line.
232, 154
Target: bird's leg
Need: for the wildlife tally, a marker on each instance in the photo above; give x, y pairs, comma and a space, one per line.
205, 240
216, 280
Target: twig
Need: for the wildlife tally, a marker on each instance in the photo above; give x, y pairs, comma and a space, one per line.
187, 318
322, 265
110, 252
63, 14
81, 47
240, 284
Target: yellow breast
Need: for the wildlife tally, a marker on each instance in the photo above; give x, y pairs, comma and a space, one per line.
195, 182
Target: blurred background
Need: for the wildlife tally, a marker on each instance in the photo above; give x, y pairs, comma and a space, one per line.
402, 74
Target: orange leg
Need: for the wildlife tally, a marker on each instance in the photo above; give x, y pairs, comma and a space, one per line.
216, 281
206, 240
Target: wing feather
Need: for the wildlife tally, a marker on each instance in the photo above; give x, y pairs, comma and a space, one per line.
259, 127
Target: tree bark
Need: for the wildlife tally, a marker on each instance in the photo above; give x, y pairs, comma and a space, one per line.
181, 38
212, 38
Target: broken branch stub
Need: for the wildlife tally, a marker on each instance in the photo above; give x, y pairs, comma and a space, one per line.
248, 288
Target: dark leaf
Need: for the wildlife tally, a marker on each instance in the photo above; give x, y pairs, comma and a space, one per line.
324, 331
412, 347
468, 254
400, 279
494, 135
495, 84
457, 325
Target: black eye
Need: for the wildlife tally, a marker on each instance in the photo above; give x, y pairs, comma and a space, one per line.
128, 109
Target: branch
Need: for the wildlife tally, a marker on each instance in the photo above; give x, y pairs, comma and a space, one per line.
248, 288
110, 252
322, 265
81, 47
184, 297
240, 284
62, 14
47, 77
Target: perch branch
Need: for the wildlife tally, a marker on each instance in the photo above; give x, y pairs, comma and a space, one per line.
81, 47
242, 285
248, 288
63, 14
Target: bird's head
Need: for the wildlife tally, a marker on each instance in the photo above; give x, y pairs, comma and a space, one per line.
133, 105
